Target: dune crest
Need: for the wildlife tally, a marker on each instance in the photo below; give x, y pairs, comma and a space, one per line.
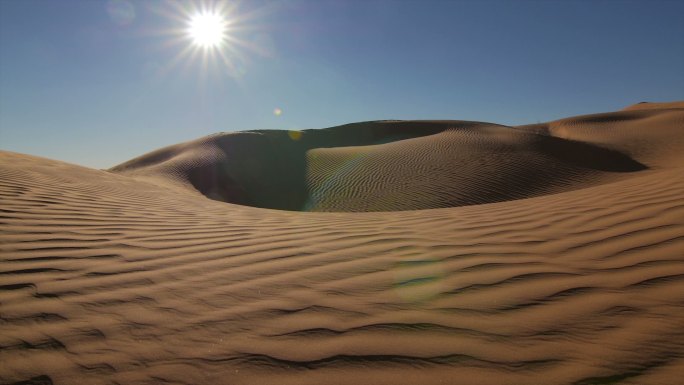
654, 106
571, 273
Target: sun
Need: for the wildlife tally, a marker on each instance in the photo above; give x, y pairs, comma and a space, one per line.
207, 30
211, 35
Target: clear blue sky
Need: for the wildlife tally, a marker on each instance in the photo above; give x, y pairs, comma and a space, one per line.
99, 82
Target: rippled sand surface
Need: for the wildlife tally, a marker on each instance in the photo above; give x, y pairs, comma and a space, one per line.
375, 253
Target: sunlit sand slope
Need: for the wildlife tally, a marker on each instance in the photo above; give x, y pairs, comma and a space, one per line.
383, 166
652, 136
135, 278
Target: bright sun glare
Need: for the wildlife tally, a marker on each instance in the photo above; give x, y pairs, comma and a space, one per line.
207, 30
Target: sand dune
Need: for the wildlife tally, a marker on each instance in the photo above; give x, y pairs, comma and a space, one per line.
541, 254
385, 166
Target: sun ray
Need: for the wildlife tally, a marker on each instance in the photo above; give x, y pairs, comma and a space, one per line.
214, 38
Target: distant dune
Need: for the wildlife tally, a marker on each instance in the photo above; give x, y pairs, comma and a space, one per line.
391, 252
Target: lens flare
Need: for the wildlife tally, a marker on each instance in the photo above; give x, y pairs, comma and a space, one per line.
294, 135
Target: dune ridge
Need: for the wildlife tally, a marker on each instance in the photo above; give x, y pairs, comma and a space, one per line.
133, 276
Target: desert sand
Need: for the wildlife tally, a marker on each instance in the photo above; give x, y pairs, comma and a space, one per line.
392, 252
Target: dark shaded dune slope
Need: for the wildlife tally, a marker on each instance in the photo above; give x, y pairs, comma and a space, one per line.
383, 166
262, 168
